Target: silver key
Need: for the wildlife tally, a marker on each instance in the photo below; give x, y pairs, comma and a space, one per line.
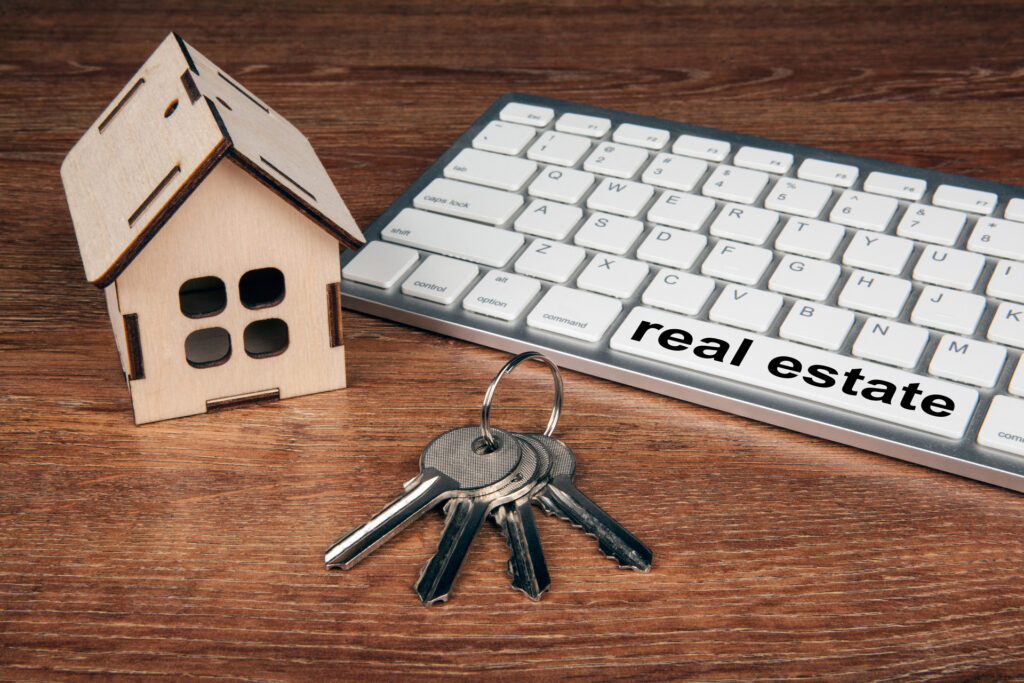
559, 497
449, 467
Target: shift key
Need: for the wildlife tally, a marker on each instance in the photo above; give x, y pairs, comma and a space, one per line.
468, 201
453, 237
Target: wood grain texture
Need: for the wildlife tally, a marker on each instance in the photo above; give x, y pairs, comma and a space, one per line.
194, 546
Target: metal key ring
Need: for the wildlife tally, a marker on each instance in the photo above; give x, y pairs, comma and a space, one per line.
485, 412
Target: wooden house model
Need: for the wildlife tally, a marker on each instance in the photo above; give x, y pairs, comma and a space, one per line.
213, 229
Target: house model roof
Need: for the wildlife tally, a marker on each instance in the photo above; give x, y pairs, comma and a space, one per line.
169, 126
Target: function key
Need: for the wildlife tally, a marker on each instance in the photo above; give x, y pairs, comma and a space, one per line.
763, 159
975, 201
702, 148
642, 136
594, 126
829, 172
897, 186
1015, 210
531, 115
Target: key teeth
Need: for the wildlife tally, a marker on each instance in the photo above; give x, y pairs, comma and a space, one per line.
553, 511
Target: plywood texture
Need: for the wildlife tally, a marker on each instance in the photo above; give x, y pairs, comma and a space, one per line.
194, 546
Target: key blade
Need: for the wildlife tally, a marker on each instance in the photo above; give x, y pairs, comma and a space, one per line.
562, 499
426, 491
526, 565
464, 518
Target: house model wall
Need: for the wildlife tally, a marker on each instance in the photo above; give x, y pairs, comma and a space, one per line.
213, 229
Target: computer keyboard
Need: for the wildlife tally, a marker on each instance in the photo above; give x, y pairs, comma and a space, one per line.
865, 302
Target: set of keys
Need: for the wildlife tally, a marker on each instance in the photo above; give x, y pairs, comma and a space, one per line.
482, 471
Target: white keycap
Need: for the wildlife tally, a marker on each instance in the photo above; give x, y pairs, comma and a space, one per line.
574, 313
610, 158
623, 197
998, 237
948, 310
975, 201
501, 295
439, 279
881, 253
677, 291
380, 264
1017, 381
817, 324
561, 184
890, 342
810, 237
642, 136
874, 293
897, 186
618, 277
737, 262
863, 210
804, 277
744, 223
591, 126
849, 384
949, 267
552, 261
763, 159
679, 210
1007, 281
1014, 210
735, 184
751, 309
529, 114
453, 237
548, 219
671, 247
967, 360
563, 149
606, 232
702, 148
1003, 428
829, 172
674, 172
488, 168
800, 197
504, 137
1008, 325
931, 224
463, 200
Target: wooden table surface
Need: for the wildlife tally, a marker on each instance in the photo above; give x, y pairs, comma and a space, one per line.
194, 546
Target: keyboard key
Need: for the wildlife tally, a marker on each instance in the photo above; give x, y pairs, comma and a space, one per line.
884, 393
975, 201
817, 324
380, 264
671, 247
810, 237
642, 136
605, 232
829, 172
501, 295
801, 197
737, 262
687, 211
1002, 428
751, 309
618, 277
1017, 381
967, 360
804, 277
744, 223
881, 253
574, 313
735, 184
863, 210
931, 224
897, 186
591, 126
1008, 325
948, 310
563, 149
453, 237
1007, 281
464, 200
949, 267
610, 158
529, 114
548, 219
890, 342
503, 137
561, 184
622, 197
488, 168
875, 294
702, 148
552, 261
1014, 210
763, 159
678, 291
998, 237
675, 172
440, 279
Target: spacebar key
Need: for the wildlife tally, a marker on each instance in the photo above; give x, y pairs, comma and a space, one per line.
850, 384
453, 237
